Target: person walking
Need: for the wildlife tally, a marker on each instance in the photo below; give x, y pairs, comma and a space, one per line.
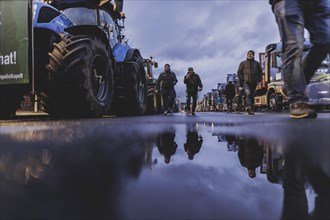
193, 143
193, 85
230, 94
166, 145
249, 74
250, 154
292, 17
165, 85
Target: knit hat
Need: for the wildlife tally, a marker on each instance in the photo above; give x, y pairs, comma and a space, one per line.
251, 51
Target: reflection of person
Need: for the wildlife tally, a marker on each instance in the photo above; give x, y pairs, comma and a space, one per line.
166, 145
250, 154
193, 84
230, 94
249, 74
305, 165
292, 16
165, 84
193, 143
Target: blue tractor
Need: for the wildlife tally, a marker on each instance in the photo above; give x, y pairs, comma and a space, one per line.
82, 65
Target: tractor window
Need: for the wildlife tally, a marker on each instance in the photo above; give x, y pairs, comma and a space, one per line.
109, 27
47, 14
81, 16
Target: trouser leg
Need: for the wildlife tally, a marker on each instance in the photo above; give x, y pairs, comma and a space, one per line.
194, 97
289, 17
318, 25
188, 101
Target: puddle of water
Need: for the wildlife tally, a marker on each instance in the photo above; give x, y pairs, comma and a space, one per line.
180, 171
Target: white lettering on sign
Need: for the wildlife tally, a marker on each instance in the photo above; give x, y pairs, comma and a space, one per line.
11, 76
9, 59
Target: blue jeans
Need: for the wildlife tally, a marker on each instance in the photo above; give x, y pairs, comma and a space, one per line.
249, 90
292, 16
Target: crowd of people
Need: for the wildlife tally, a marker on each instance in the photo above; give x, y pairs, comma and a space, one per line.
249, 74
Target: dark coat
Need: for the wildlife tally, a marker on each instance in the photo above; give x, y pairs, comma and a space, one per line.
250, 153
249, 71
230, 91
166, 81
192, 83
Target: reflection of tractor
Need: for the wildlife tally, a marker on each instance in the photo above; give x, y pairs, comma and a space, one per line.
82, 66
154, 104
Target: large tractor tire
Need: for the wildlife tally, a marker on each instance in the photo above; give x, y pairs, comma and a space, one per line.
80, 80
131, 88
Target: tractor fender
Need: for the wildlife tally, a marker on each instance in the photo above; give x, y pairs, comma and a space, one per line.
90, 30
123, 52
56, 21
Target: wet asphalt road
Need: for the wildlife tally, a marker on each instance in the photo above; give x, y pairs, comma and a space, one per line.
166, 167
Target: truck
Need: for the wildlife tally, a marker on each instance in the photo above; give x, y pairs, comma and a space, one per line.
270, 92
318, 90
71, 57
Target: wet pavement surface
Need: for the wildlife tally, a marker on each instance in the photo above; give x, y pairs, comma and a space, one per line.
166, 167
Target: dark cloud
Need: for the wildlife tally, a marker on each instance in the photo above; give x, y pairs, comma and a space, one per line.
212, 36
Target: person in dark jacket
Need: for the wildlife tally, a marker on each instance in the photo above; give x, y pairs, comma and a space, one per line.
292, 17
230, 94
193, 85
193, 143
250, 154
166, 145
249, 74
165, 85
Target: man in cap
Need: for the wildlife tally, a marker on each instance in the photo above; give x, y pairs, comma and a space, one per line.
193, 85
249, 74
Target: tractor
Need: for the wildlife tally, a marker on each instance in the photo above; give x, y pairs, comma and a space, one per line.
77, 62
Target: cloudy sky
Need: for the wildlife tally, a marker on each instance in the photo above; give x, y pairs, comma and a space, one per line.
213, 36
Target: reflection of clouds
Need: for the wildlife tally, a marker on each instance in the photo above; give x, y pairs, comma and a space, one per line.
209, 192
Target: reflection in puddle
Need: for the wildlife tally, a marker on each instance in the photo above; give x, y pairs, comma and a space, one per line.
134, 173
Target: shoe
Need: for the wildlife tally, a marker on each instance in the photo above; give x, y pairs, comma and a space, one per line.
165, 113
249, 111
193, 113
171, 112
187, 112
301, 110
